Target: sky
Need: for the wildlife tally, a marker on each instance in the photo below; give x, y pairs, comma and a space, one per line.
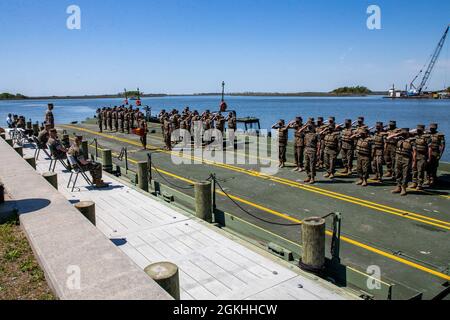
191, 46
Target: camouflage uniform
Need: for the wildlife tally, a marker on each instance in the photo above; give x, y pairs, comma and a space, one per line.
403, 162
378, 152
389, 151
49, 118
331, 142
364, 151
421, 149
437, 145
347, 147
311, 144
100, 120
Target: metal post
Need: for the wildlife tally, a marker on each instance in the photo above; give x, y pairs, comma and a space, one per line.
149, 158
19, 150
52, 178
85, 149
31, 161
166, 275
313, 245
36, 129
336, 239
143, 175
213, 176
126, 160
87, 208
203, 201
107, 160
96, 148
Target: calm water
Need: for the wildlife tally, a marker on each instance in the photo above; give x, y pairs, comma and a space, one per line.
269, 110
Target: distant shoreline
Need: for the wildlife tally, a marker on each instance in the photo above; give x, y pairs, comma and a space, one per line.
241, 94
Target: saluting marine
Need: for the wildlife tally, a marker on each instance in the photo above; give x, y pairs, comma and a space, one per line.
437, 150
421, 156
320, 127
332, 146
378, 151
311, 153
389, 149
299, 143
364, 152
100, 119
347, 147
282, 141
403, 161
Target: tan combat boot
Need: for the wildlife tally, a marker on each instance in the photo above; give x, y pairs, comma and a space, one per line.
403, 192
364, 184
345, 171
419, 188
398, 189
331, 176
326, 175
312, 181
360, 182
308, 180
98, 183
388, 174
413, 185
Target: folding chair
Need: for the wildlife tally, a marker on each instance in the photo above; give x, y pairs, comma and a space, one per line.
76, 170
54, 160
38, 147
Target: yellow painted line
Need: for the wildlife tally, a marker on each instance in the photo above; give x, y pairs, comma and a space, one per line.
327, 193
329, 233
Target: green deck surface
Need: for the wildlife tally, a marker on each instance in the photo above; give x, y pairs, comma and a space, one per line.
414, 228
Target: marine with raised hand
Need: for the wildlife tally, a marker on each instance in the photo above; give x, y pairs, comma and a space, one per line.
282, 141
378, 152
403, 161
421, 154
347, 147
437, 146
299, 142
320, 127
100, 120
332, 146
311, 152
364, 147
389, 149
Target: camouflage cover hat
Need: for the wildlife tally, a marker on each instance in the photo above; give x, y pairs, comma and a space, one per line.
420, 127
433, 126
392, 123
405, 130
360, 118
320, 119
348, 121
379, 124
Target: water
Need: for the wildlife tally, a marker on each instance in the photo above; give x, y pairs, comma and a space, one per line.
408, 113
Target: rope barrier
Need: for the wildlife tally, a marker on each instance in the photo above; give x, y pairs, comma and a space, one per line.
169, 182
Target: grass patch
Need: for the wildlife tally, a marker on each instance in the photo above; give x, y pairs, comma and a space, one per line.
21, 278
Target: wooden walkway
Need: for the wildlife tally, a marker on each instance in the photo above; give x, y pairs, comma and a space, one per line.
213, 265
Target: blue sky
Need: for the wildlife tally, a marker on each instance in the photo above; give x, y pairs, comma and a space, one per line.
188, 46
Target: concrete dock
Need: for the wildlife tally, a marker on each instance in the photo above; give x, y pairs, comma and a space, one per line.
407, 238
213, 264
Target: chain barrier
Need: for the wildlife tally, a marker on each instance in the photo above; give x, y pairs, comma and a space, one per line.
166, 180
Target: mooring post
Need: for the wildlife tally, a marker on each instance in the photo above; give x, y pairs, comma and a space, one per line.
143, 175
31, 161
36, 129
166, 275
149, 160
126, 160
19, 150
107, 160
52, 178
203, 200
313, 245
87, 208
85, 149
9, 141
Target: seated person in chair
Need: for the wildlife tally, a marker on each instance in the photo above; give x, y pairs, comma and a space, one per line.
56, 148
93, 167
43, 136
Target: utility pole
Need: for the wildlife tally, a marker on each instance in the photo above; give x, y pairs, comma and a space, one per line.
223, 91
